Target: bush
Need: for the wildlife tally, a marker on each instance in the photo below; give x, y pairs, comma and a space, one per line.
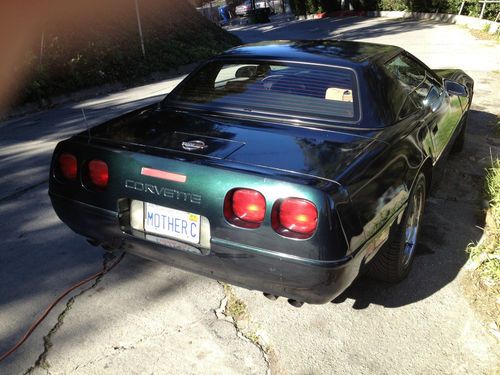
393, 5
472, 8
302, 7
485, 256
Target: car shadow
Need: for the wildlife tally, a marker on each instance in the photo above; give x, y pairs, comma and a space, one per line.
453, 218
440, 255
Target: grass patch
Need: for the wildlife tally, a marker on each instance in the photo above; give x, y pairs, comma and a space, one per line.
485, 35
235, 308
485, 255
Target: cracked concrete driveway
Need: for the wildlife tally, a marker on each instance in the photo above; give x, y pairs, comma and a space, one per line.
145, 317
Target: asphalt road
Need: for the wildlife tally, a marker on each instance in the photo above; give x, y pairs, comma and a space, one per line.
145, 317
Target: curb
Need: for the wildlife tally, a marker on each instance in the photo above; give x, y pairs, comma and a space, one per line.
470, 22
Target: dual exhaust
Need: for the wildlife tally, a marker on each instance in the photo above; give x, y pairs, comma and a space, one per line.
292, 302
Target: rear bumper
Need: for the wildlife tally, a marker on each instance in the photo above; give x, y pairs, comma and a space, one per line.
302, 279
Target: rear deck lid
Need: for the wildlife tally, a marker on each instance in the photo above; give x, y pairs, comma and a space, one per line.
315, 152
167, 131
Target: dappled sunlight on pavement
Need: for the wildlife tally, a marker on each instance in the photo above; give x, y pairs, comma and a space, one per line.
438, 45
155, 90
28, 141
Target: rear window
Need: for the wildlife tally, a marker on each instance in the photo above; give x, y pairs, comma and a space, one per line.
297, 90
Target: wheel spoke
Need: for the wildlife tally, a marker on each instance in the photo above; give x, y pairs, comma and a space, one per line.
412, 226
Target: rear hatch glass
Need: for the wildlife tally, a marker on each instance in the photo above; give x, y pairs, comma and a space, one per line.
296, 90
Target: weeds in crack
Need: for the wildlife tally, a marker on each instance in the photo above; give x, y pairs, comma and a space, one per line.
235, 310
235, 307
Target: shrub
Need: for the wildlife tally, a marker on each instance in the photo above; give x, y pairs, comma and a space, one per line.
485, 255
393, 5
471, 8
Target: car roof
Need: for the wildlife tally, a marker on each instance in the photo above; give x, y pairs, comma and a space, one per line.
332, 52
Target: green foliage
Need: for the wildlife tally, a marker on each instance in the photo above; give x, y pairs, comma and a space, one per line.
301, 7
447, 6
298, 7
393, 5
471, 8
311, 6
487, 252
109, 50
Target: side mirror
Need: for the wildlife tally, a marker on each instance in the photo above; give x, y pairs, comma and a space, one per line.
455, 88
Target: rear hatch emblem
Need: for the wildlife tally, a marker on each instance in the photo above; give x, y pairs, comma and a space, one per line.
194, 145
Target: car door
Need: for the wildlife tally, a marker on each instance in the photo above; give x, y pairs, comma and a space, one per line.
440, 112
443, 116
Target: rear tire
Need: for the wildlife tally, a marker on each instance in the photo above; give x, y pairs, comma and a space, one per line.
394, 260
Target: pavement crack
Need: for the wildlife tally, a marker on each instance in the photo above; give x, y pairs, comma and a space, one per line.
42, 361
119, 349
234, 310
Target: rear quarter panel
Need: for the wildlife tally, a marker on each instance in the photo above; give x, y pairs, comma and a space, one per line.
379, 182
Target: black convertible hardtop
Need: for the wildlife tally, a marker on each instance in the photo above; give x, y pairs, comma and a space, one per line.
378, 91
331, 52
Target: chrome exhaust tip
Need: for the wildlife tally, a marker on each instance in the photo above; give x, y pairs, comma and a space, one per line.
272, 297
295, 303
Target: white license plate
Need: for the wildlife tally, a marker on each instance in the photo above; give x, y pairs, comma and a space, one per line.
172, 223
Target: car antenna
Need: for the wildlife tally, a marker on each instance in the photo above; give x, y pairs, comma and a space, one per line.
86, 123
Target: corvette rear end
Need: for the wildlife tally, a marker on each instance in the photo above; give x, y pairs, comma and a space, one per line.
285, 167
275, 232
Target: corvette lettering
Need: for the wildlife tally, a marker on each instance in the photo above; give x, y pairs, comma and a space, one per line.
163, 191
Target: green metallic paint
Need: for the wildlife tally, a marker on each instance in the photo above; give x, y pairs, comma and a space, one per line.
358, 176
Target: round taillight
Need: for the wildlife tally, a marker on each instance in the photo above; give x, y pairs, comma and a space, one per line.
68, 166
249, 205
98, 173
295, 215
245, 208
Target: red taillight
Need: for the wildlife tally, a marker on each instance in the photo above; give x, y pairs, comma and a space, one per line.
68, 166
249, 205
295, 215
245, 208
98, 173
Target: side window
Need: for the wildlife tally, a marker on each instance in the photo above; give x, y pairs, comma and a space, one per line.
416, 84
409, 73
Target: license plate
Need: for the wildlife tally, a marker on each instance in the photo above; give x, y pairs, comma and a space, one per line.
168, 222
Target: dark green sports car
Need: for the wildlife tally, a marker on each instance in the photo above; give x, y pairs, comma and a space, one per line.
290, 167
